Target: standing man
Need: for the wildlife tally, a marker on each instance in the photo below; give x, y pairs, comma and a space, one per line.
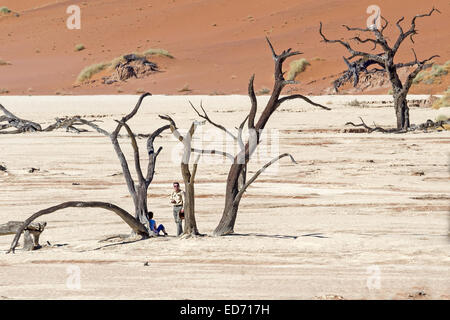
177, 200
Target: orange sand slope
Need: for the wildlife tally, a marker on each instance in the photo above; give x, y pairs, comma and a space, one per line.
217, 44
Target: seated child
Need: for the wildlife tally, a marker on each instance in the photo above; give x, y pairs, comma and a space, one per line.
152, 225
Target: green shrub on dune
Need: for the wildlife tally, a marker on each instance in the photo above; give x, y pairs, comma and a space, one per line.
4, 10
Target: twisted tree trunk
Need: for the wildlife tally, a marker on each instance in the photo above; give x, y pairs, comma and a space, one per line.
190, 223
401, 111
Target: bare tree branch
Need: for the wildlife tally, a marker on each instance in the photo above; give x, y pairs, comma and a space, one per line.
257, 173
137, 161
122, 159
152, 155
375, 42
131, 114
279, 60
385, 25
138, 227
240, 129
207, 118
421, 65
353, 52
252, 95
94, 126
299, 96
206, 151
369, 129
173, 127
411, 31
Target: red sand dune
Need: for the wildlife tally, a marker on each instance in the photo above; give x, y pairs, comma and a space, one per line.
217, 44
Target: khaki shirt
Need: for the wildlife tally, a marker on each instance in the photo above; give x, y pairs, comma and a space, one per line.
178, 197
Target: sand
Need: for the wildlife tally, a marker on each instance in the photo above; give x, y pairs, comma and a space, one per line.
217, 45
360, 215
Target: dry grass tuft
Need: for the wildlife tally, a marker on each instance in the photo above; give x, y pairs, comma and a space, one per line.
185, 88
444, 101
158, 52
4, 10
433, 75
79, 47
296, 67
89, 71
263, 91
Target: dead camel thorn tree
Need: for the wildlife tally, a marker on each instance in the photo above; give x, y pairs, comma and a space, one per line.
237, 181
385, 60
236, 137
188, 176
71, 124
138, 190
191, 228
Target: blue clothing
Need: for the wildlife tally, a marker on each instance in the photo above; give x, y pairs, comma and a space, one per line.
152, 224
153, 227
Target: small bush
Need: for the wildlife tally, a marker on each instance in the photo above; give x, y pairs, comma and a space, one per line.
79, 47
439, 71
263, 91
296, 67
217, 93
185, 88
4, 63
158, 52
433, 75
4, 10
89, 71
444, 101
354, 103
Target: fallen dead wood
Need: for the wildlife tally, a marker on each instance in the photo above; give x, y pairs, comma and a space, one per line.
71, 124
425, 127
20, 124
31, 232
135, 225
